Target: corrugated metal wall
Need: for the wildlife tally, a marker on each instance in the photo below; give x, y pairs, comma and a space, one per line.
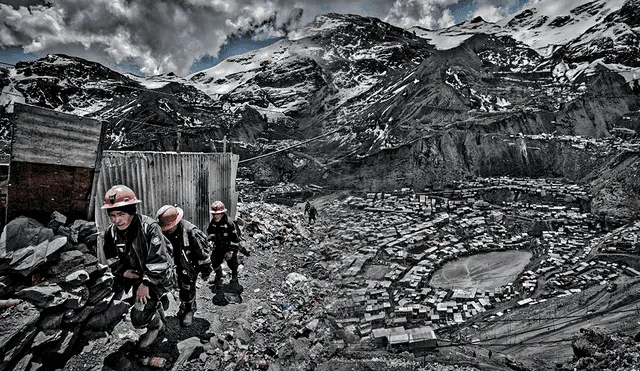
190, 180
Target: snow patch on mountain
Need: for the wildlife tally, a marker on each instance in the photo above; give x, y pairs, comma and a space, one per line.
322, 24
454, 36
561, 70
544, 25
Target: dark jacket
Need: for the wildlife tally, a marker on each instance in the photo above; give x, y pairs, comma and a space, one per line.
191, 250
141, 247
223, 235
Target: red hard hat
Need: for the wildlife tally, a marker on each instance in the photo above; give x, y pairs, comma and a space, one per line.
119, 195
169, 216
217, 207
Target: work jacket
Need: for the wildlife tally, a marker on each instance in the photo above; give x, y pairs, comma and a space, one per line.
191, 251
223, 235
143, 248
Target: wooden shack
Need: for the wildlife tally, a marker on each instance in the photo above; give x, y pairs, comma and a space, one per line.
52, 164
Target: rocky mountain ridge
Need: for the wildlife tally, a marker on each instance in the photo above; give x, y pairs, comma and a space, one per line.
430, 106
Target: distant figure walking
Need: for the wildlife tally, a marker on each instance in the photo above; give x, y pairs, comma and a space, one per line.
307, 206
312, 214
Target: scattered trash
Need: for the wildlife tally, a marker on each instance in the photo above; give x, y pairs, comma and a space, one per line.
157, 362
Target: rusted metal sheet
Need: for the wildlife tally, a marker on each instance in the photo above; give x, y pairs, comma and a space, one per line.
53, 159
190, 180
43, 136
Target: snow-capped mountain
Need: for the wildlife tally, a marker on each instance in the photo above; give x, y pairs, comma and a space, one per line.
544, 25
392, 106
332, 61
614, 40
143, 113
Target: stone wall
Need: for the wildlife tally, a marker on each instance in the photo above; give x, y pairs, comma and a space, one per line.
56, 292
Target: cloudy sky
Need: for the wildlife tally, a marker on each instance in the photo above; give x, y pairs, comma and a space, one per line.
182, 36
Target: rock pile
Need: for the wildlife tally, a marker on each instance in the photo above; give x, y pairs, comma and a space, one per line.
288, 331
283, 193
272, 225
63, 292
596, 349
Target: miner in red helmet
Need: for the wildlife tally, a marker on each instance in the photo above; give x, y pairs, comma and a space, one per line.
224, 236
190, 255
138, 255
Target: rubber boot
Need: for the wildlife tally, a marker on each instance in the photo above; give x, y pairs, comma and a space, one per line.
234, 278
153, 330
185, 313
164, 299
217, 280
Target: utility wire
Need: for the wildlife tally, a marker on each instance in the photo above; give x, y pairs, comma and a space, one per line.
293, 146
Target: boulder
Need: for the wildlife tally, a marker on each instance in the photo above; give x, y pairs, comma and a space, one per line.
14, 348
78, 317
189, 349
28, 259
75, 230
69, 338
88, 234
293, 278
103, 304
51, 320
22, 232
23, 364
67, 262
96, 270
57, 221
73, 300
109, 317
101, 288
45, 295
46, 339
16, 321
77, 278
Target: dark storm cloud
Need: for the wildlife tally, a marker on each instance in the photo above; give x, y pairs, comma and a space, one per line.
170, 35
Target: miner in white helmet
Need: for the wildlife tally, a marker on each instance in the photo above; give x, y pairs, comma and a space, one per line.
190, 255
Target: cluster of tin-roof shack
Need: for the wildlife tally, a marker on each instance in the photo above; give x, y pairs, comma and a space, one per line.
401, 239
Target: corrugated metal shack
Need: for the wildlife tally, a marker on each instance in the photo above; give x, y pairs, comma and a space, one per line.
53, 160
190, 180
57, 164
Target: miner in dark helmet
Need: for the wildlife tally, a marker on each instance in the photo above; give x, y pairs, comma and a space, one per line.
190, 255
225, 240
139, 259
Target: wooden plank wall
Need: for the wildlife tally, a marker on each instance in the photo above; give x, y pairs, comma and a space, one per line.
43, 136
37, 190
53, 159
